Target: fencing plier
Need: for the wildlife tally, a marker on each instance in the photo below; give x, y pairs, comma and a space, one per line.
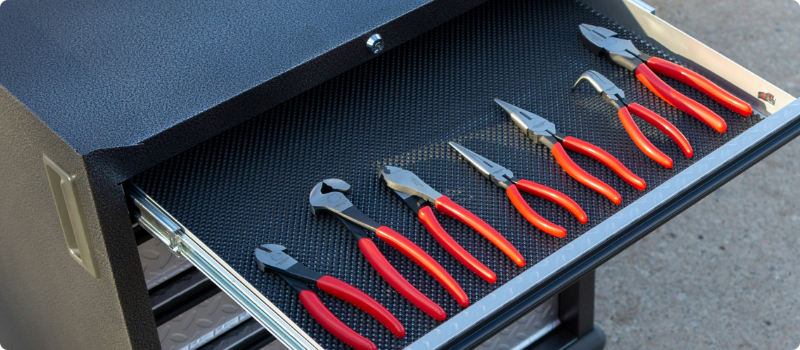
615, 97
505, 179
271, 257
419, 196
602, 41
543, 131
329, 195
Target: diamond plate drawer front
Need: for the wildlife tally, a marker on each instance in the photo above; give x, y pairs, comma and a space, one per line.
250, 185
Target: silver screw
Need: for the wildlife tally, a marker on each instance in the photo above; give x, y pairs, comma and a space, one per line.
375, 43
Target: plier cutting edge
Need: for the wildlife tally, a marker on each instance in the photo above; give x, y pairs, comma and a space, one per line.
505, 179
419, 196
602, 41
329, 195
615, 97
270, 257
544, 132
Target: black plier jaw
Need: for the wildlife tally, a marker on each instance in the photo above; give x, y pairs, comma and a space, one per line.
270, 257
330, 195
601, 41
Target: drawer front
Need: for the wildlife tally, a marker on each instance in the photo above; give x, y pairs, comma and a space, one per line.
249, 186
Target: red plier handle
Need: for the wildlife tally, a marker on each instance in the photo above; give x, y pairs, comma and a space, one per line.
430, 222
362, 301
455, 211
679, 100
419, 256
546, 193
398, 282
661, 124
697, 81
329, 321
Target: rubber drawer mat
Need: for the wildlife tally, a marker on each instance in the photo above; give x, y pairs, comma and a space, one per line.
250, 185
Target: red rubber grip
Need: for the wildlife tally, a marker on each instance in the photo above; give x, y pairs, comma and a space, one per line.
363, 301
700, 83
534, 218
641, 141
419, 256
455, 211
664, 125
679, 100
554, 196
582, 176
317, 309
428, 220
390, 274
598, 154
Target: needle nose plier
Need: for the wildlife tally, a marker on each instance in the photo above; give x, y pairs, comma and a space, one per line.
604, 42
505, 179
329, 195
270, 257
543, 131
615, 97
419, 196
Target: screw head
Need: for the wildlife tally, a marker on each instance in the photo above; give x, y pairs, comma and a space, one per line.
375, 43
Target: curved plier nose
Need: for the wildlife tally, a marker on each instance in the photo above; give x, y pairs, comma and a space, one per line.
615, 97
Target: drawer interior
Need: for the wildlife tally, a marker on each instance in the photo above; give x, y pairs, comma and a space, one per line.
250, 185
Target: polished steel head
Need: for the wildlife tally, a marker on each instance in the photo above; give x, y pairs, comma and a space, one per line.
604, 41
600, 83
532, 125
407, 182
499, 175
330, 195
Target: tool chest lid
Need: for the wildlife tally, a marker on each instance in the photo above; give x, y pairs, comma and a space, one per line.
108, 75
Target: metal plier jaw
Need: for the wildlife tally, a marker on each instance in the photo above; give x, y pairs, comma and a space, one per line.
407, 185
604, 41
270, 257
538, 129
610, 93
496, 173
330, 195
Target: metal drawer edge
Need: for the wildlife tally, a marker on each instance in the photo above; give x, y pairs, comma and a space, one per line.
163, 226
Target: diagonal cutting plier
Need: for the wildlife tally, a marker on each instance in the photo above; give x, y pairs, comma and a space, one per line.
615, 97
544, 132
420, 196
329, 195
271, 257
604, 42
505, 179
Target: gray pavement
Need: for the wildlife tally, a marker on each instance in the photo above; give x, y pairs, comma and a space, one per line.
725, 274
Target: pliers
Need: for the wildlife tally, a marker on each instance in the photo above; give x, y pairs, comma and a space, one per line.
615, 97
505, 179
329, 195
543, 131
602, 41
419, 196
271, 257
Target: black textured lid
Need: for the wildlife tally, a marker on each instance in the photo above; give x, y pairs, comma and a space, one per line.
107, 75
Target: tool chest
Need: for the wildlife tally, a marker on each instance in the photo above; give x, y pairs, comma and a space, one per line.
212, 204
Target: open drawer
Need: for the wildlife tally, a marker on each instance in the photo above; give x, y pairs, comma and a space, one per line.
248, 186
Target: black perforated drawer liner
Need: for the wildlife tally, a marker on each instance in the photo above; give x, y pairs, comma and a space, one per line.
250, 185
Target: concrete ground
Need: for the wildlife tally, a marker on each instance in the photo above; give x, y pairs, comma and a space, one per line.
725, 274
